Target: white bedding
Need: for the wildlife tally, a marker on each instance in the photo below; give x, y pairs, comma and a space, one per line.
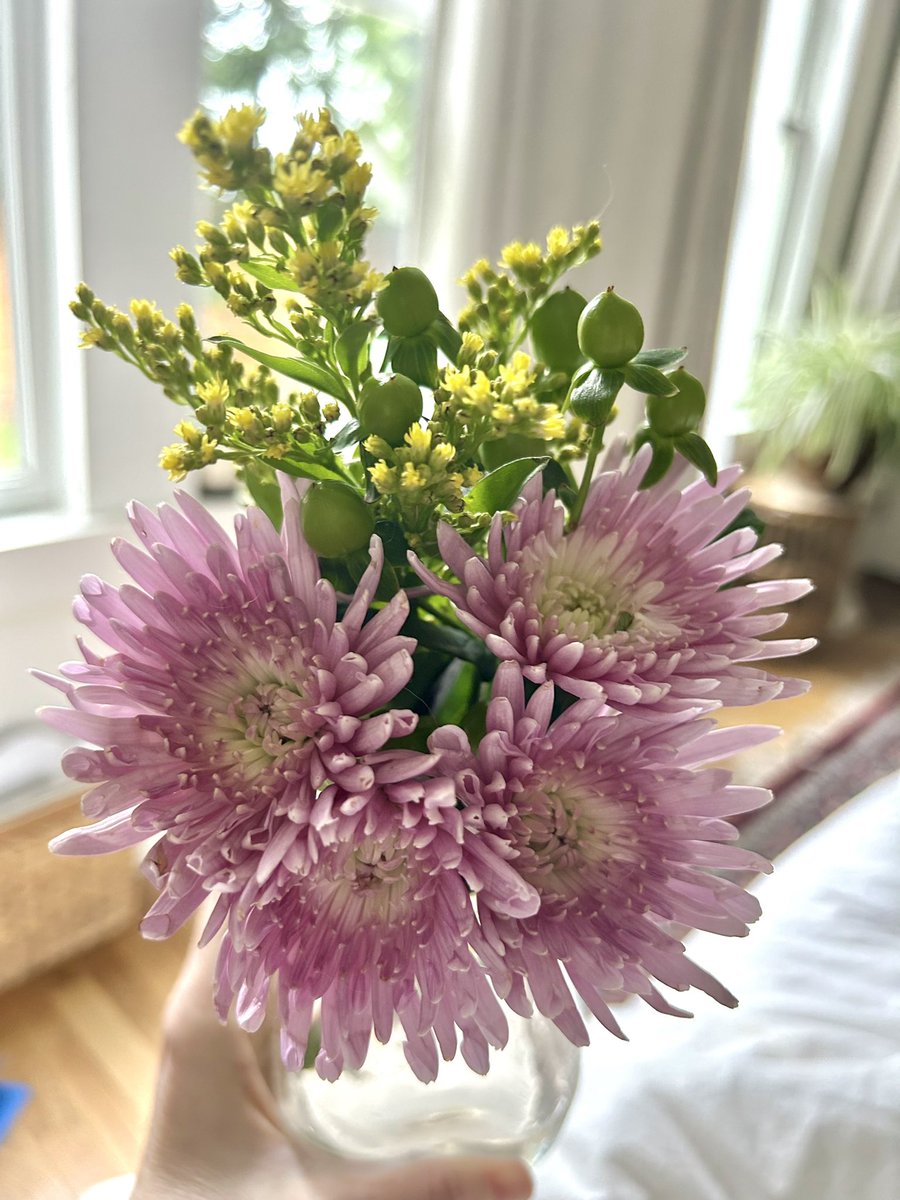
796, 1094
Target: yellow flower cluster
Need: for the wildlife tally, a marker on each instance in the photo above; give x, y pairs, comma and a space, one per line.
226, 149
195, 451
325, 276
497, 401
503, 298
418, 475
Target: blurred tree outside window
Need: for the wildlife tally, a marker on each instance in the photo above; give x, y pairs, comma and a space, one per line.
10, 423
364, 60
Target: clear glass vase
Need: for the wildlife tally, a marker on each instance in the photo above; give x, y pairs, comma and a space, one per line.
383, 1113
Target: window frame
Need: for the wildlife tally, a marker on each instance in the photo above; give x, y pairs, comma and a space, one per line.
39, 184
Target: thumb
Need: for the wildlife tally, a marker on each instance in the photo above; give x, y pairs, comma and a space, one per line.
446, 1179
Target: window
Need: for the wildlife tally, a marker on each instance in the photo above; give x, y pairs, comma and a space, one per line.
36, 246
803, 87
364, 60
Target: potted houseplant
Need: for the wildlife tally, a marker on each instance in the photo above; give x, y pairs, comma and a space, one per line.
824, 397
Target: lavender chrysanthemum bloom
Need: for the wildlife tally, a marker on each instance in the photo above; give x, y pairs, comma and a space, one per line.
606, 817
637, 604
380, 924
232, 700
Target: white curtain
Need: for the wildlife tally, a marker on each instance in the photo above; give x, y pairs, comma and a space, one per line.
545, 112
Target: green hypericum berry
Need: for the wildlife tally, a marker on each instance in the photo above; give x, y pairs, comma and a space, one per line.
671, 416
497, 451
554, 331
335, 519
408, 303
610, 330
389, 408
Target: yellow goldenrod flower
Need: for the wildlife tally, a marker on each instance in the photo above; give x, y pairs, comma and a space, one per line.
243, 418
282, 416
384, 478
558, 242
239, 125
174, 459
190, 433
299, 181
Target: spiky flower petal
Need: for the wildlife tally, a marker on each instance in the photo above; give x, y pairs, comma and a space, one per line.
233, 694
605, 816
637, 605
379, 924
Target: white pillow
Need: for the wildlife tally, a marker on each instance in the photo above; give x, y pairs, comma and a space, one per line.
796, 1094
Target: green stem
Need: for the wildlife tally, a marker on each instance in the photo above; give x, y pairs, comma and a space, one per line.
593, 450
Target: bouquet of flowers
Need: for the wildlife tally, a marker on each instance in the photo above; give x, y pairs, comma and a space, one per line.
433, 728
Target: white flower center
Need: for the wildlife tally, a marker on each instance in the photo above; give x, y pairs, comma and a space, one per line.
569, 831
592, 588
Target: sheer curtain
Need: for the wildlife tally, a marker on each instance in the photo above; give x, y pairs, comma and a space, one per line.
545, 113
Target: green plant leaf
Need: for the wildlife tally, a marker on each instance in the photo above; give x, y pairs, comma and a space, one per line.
303, 469
329, 218
270, 276
692, 447
416, 358
669, 356
394, 540
445, 336
453, 641
455, 693
352, 349
593, 399
747, 518
499, 489
312, 374
264, 491
557, 477
648, 380
663, 457
346, 436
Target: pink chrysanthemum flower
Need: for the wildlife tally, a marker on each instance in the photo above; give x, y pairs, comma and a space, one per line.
381, 924
634, 605
232, 696
606, 817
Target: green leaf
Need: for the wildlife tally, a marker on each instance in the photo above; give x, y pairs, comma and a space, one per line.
416, 358
445, 336
453, 641
500, 489
661, 359
394, 541
663, 457
747, 518
346, 436
692, 447
648, 380
593, 399
352, 349
303, 469
455, 692
329, 218
264, 491
557, 477
312, 374
270, 276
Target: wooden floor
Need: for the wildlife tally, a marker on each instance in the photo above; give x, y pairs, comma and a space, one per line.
84, 1037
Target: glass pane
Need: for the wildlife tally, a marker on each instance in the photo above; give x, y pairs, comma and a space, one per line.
365, 61
11, 439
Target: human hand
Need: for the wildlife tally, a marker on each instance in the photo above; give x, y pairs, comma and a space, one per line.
216, 1132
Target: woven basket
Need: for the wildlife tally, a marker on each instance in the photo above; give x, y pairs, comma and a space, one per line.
816, 529
53, 907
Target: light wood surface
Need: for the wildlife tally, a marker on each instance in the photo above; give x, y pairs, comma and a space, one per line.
85, 1036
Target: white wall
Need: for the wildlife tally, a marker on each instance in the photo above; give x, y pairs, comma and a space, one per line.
137, 80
